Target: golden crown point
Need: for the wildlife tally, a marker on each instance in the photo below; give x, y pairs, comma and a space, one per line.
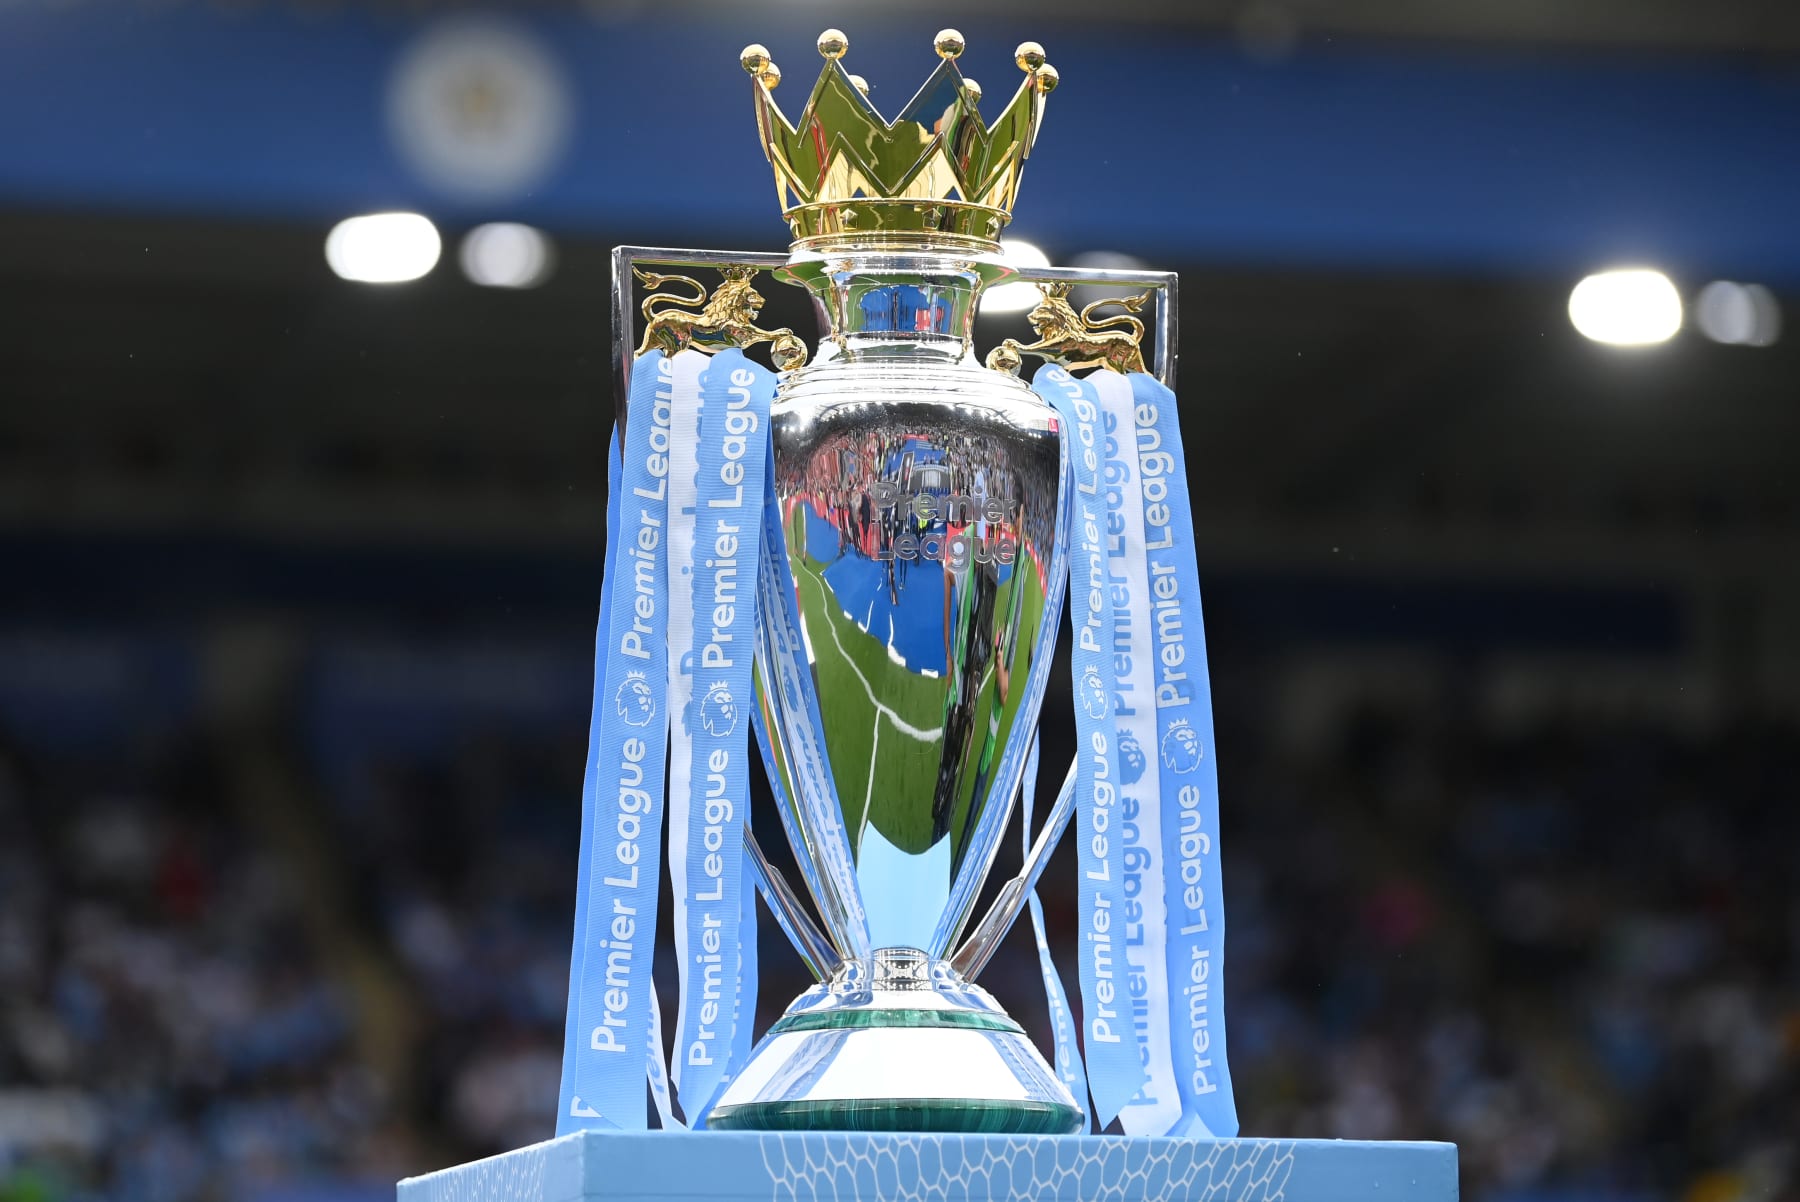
936, 171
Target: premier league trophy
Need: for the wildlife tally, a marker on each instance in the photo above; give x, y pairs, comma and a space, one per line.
915, 543
863, 557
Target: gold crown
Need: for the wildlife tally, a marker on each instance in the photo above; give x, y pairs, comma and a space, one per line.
936, 170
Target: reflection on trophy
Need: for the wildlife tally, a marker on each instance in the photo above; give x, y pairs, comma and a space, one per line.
907, 626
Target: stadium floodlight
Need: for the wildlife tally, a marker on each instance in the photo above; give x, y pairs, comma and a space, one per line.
383, 248
1627, 307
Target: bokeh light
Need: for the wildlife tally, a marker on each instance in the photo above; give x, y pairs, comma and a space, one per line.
383, 248
1630, 307
505, 254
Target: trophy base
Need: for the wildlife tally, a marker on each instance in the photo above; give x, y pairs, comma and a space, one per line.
900, 1114
898, 1043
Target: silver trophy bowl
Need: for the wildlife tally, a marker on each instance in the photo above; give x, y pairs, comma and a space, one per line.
909, 598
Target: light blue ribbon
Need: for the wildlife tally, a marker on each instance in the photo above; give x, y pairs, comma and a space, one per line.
1114, 1071
565, 1122
727, 539
1189, 773
611, 970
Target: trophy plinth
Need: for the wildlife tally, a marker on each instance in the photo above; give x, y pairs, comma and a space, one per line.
851, 1166
908, 1046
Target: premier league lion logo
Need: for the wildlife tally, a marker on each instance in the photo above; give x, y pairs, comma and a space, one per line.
1093, 694
1181, 748
718, 711
1131, 759
634, 702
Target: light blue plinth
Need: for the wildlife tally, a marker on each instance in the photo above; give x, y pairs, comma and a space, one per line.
823, 1166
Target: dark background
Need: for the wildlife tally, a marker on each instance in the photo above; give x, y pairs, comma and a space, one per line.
298, 575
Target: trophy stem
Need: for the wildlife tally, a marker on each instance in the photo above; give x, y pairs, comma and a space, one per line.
885, 302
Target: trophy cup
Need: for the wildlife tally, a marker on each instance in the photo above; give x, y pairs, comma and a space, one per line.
909, 591
924, 568
909, 622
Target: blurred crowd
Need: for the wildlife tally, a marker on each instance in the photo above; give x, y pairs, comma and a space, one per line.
466, 865
1575, 952
167, 1028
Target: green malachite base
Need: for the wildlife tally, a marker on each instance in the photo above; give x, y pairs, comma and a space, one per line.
900, 1114
847, 1020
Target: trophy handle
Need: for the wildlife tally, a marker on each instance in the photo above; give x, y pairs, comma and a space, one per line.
624, 326
815, 950
982, 942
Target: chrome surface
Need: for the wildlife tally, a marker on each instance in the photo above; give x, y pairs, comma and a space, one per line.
901, 968
921, 509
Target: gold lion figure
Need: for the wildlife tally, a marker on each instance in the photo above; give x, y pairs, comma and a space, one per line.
727, 318
1077, 340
